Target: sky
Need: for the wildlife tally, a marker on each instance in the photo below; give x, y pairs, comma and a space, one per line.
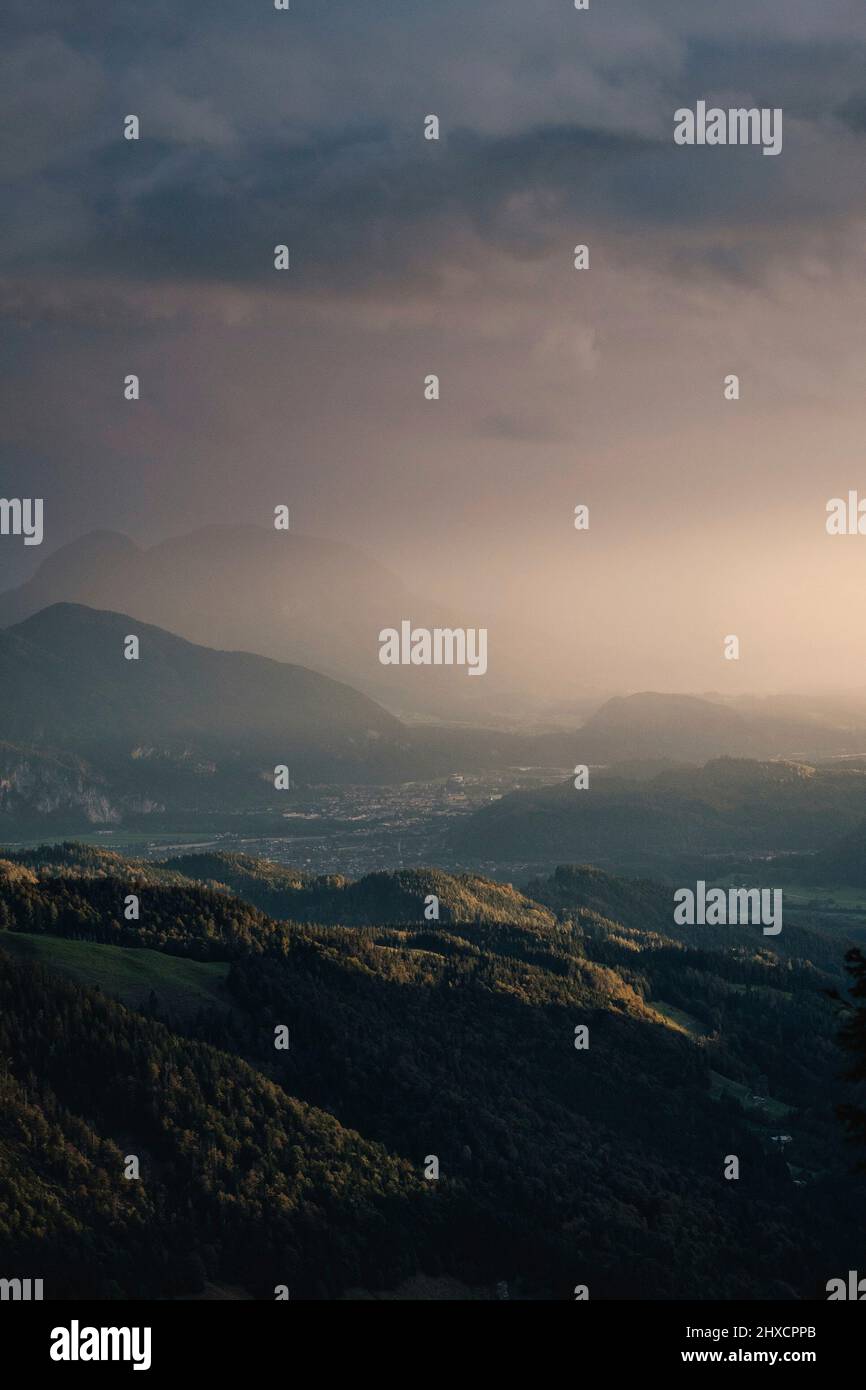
559, 387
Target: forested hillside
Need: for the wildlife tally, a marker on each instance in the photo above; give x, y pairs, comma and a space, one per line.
400, 896
559, 1164
730, 806
238, 1180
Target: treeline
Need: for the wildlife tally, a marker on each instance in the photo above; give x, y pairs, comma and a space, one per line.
558, 1164
185, 920
398, 896
239, 1182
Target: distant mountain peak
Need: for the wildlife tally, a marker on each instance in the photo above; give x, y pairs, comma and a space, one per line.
656, 706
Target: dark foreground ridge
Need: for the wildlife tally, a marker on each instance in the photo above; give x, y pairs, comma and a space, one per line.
413, 1040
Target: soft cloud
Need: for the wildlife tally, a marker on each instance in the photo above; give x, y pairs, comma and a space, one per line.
411, 257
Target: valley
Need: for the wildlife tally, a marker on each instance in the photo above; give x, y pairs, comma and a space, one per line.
431, 914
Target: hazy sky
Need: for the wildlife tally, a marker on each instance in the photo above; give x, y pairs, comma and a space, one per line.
408, 257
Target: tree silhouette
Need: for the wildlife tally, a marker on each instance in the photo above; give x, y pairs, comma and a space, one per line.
852, 1037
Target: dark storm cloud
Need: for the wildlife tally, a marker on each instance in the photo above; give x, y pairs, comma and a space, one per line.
363, 206
325, 151
411, 257
349, 206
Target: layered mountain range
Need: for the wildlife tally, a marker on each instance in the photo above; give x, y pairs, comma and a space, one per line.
183, 728
322, 604
294, 598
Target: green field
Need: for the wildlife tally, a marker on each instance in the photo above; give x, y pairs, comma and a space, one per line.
767, 990
842, 899
801, 895
723, 1086
684, 1022
182, 987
